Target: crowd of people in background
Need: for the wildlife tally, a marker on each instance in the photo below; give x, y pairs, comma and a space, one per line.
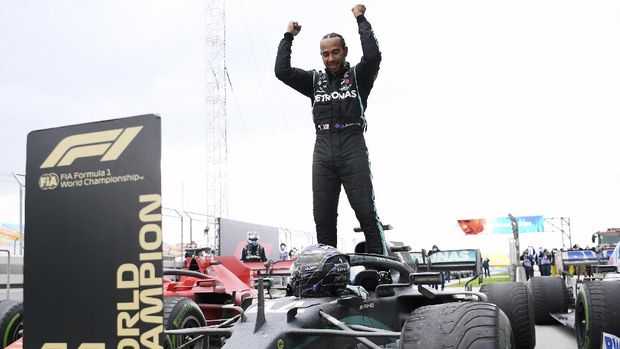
544, 258
287, 255
254, 252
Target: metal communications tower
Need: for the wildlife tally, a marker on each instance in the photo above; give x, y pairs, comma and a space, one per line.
564, 228
216, 124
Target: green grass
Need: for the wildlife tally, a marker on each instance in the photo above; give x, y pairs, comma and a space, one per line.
493, 279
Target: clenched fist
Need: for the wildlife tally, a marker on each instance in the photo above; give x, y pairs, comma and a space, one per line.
358, 9
293, 28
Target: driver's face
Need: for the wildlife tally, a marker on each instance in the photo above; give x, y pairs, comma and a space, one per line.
333, 54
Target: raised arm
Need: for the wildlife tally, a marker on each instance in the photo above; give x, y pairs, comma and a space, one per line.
368, 67
299, 79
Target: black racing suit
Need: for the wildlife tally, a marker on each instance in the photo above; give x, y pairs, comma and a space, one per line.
253, 253
340, 154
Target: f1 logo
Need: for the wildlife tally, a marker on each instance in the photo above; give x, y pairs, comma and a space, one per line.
110, 144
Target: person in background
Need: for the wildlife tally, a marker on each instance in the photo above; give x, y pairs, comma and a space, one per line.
432, 251
485, 267
531, 251
284, 256
554, 269
284, 253
293, 253
528, 264
253, 251
540, 251
544, 263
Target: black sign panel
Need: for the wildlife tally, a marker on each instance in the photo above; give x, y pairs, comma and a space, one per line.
93, 262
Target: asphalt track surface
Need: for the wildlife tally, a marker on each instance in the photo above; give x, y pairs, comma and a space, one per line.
555, 336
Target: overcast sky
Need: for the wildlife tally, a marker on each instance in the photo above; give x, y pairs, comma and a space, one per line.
480, 108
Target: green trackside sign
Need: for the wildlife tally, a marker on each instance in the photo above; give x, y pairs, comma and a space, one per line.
93, 262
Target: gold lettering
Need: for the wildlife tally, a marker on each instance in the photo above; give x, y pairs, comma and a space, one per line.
54, 346
130, 322
146, 213
155, 241
151, 256
133, 305
133, 282
151, 296
147, 275
150, 338
92, 346
128, 343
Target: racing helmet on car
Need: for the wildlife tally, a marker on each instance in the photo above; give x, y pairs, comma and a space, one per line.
253, 238
318, 271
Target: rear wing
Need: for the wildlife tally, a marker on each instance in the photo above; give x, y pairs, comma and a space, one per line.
197, 251
455, 260
419, 257
577, 258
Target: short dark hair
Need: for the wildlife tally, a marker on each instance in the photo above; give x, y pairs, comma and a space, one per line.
336, 35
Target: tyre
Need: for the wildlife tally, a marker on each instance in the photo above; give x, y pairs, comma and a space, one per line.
550, 295
181, 312
472, 325
516, 302
11, 321
597, 310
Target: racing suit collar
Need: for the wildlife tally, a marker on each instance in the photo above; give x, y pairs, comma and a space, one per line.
344, 68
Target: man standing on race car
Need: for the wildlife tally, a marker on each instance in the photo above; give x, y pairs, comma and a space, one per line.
339, 100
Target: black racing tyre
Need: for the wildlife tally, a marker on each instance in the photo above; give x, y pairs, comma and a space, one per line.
597, 310
516, 302
11, 321
550, 295
471, 325
181, 312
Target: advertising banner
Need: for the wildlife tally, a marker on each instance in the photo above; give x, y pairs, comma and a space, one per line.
501, 225
9, 236
93, 266
527, 224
